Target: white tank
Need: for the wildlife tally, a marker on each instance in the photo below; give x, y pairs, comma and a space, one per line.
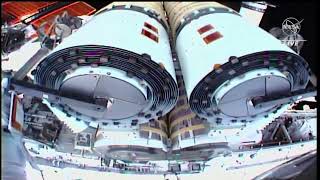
120, 59
226, 61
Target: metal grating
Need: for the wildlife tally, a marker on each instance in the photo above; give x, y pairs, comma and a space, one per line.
21, 10
73, 9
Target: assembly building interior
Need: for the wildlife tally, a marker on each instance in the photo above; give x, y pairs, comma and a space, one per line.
166, 90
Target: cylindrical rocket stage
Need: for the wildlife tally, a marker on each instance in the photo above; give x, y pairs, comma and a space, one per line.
121, 59
226, 61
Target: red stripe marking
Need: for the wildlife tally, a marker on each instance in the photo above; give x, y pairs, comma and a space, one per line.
212, 37
154, 29
205, 29
149, 35
14, 123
